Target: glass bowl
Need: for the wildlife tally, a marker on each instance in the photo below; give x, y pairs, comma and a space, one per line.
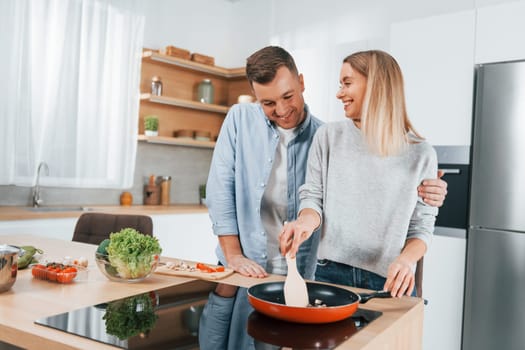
112, 272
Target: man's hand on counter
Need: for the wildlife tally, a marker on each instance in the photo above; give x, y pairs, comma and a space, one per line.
231, 247
246, 267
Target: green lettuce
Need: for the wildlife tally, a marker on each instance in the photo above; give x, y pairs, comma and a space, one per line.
132, 252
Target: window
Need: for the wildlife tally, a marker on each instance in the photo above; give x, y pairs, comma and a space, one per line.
69, 91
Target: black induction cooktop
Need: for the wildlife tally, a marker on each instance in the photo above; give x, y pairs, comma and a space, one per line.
169, 318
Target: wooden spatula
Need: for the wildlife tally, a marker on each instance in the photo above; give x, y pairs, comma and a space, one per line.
295, 292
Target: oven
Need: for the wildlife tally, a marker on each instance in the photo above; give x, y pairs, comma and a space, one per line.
454, 161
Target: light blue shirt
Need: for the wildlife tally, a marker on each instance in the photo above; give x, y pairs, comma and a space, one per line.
240, 169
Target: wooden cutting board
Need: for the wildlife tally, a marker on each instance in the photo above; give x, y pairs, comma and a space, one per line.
165, 270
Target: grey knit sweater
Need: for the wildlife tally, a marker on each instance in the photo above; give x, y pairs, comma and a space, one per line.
368, 204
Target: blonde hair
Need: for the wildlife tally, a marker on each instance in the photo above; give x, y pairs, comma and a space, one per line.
384, 119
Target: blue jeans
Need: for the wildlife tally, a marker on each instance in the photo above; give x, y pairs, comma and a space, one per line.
334, 272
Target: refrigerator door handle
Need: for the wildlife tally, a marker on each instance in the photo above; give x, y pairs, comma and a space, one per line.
450, 171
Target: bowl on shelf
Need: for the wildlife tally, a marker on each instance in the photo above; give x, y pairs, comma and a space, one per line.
184, 134
124, 273
202, 135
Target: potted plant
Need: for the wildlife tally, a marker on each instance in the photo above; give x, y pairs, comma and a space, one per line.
151, 125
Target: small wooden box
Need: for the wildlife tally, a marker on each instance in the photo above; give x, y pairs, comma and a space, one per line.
145, 49
199, 58
177, 52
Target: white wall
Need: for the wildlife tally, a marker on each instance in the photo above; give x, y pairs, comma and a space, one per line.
227, 31
325, 32
436, 55
320, 34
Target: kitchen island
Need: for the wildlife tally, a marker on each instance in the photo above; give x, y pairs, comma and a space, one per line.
400, 326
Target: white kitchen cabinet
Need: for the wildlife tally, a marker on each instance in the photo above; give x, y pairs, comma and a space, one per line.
443, 287
186, 236
436, 55
499, 33
60, 228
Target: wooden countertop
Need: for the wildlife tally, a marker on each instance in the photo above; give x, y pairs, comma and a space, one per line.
400, 326
27, 213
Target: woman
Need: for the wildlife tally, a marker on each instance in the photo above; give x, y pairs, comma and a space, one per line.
361, 180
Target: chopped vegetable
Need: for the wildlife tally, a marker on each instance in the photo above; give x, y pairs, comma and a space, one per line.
317, 303
82, 261
207, 268
132, 253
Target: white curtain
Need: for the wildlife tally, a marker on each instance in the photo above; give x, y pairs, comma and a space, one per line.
69, 91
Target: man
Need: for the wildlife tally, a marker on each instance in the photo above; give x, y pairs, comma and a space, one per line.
259, 163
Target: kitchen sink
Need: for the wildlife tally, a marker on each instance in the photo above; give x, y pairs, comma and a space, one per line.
54, 209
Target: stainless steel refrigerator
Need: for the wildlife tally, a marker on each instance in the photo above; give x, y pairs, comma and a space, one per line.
494, 314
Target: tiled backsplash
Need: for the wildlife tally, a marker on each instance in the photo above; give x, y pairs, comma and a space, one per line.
187, 166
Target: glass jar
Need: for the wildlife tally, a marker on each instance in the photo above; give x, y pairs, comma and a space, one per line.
205, 91
156, 86
165, 188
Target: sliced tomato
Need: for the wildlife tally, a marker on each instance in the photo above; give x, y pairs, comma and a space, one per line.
52, 273
65, 277
60, 277
71, 270
38, 271
66, 274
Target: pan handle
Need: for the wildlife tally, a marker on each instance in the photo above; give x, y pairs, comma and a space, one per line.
367, 296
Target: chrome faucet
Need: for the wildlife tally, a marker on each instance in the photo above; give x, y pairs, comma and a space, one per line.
36, 190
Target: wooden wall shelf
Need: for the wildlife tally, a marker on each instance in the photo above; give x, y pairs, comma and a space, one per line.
164, 140
179, 108
173, 101
215, 70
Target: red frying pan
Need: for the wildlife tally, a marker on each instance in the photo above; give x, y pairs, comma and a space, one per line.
339, 303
